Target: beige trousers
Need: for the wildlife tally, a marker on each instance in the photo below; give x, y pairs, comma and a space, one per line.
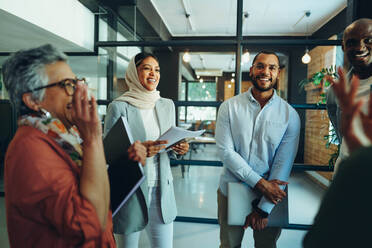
232, 236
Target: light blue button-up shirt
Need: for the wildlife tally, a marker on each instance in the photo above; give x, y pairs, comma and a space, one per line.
256, 143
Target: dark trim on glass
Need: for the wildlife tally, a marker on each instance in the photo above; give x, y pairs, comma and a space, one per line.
239, 47
215, 221
226, 42
216, 163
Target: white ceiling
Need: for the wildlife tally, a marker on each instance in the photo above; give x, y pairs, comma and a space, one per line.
16, 33
266, 17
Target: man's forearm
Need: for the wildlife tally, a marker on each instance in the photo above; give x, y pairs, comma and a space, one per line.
94, 183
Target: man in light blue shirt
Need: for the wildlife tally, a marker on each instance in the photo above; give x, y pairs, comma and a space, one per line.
257, 135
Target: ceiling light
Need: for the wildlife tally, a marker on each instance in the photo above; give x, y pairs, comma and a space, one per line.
245, 57
229, 86
201, 80
186, 57
197, 76
306, 58
233, 74
232, 80
203, 86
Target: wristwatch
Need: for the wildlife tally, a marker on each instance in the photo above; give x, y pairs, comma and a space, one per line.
262, 213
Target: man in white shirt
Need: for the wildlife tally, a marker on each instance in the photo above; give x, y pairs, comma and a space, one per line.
357, 46
257, 135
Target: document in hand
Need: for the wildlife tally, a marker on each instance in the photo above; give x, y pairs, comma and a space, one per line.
239, 205
125, 175
176, 134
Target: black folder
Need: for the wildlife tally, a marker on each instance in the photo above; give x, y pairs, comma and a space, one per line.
125, 175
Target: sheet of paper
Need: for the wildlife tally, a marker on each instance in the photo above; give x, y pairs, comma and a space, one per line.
176, 134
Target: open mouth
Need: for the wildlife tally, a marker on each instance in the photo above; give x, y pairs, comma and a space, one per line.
151, 80
362, 56
264, 79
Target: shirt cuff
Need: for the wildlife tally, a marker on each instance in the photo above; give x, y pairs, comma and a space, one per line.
253, 179
265, 205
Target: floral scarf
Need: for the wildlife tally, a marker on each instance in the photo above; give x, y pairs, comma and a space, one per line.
69, 140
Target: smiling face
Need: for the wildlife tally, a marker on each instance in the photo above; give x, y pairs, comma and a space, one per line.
149, 73
357, 44
56, 101
264, 72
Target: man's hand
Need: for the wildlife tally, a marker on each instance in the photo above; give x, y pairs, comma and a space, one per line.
350, 109
270, 189
181, 148
137, 152
153, 147
255, 221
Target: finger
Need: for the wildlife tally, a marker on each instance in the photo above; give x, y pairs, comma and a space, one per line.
160, 142
93, 105
339, 87
277, 181
76, 101
247, 222
85, 108
353, 88
352, 115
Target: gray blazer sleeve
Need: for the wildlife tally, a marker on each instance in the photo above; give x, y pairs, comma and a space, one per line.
112, 115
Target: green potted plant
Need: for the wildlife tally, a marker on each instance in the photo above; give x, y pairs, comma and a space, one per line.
318, 80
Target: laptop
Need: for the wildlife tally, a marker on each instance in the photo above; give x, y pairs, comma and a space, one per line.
239, 199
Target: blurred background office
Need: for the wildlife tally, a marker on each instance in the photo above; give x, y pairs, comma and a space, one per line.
205, 49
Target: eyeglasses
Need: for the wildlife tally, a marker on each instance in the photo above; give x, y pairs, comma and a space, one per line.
68, 83
261, 66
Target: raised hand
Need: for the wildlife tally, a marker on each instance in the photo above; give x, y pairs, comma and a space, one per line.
349, 108
84, 114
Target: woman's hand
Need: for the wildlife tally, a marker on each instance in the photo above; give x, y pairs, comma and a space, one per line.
137, 152
181, 148
153, 147
84, 115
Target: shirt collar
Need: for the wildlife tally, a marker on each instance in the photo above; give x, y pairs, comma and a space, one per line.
252, 99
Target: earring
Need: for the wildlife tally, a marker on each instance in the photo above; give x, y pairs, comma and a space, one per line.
45, 113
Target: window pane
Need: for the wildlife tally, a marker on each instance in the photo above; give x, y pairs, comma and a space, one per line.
202, 91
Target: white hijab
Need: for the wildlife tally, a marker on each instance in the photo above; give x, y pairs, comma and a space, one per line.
137, 95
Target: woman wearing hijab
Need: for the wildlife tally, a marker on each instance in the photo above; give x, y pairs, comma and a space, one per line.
153, 206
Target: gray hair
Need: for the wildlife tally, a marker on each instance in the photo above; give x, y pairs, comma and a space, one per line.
25, 70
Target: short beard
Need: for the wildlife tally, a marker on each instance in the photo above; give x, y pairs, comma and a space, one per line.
255, 84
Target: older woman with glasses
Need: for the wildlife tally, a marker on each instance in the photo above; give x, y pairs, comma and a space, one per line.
56, 184
153, 206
